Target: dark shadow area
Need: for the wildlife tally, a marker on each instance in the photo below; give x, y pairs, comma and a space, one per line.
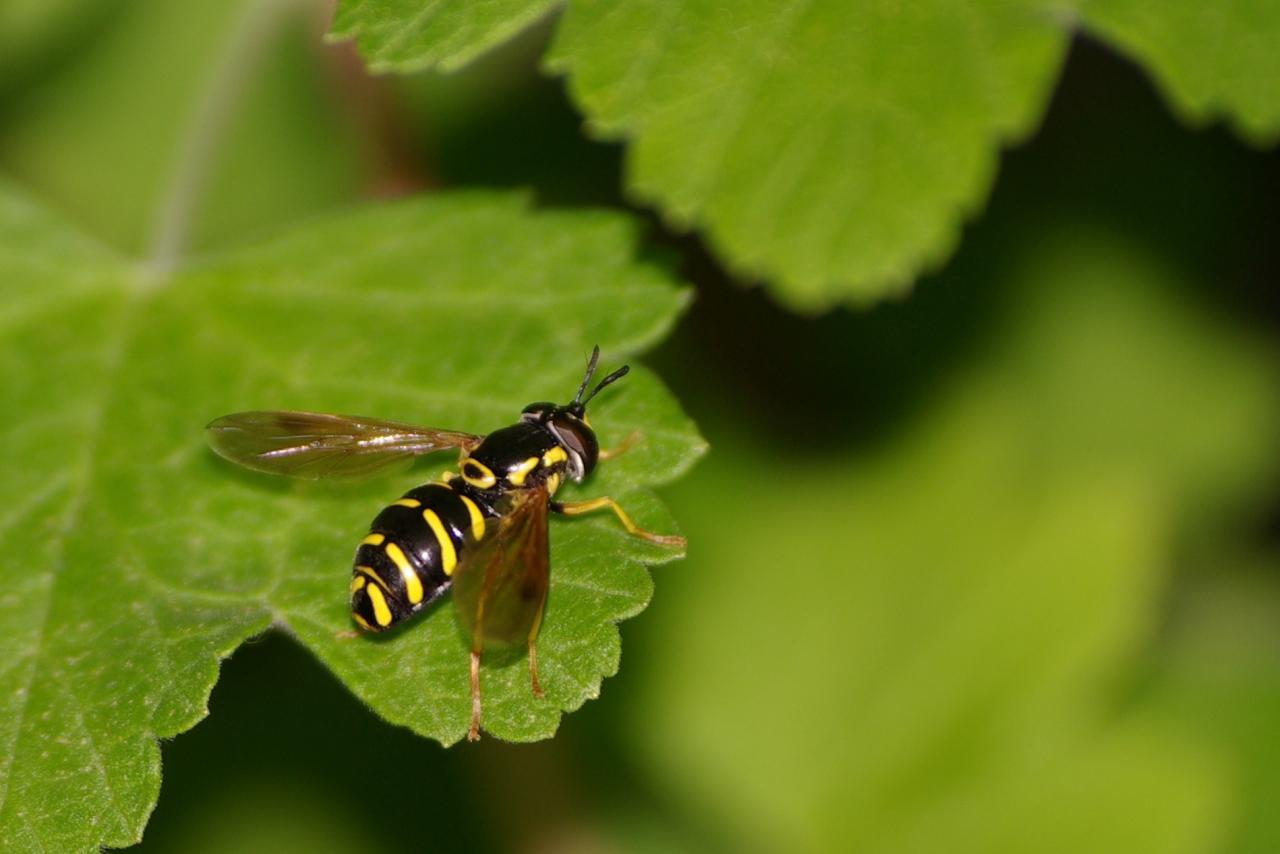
277, 714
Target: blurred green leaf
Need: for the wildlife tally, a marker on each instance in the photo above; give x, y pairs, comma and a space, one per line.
1212, 59
104, 139
912, 650
833, 149
406, 35
275, 817
1220, 677
135, 559
35, 33
1131, 375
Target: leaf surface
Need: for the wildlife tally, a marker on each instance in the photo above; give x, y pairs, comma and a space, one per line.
1220, 677
827, 147
1212, 59
405, 35
833, 150
135, 559
105, 138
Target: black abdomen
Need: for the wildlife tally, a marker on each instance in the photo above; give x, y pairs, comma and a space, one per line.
412, 550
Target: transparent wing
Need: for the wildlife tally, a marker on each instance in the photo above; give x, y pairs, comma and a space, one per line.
313, 445
500, 584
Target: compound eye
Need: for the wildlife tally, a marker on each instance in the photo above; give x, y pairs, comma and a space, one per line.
580, 441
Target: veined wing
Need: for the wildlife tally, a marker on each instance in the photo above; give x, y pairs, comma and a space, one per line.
313, 445
500, 584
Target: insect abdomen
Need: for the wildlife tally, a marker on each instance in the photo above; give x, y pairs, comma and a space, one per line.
408, 559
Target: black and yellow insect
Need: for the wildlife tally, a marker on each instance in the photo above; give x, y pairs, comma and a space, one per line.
481, 531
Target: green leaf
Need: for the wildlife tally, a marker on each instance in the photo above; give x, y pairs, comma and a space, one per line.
32, 29
834, 149
135, 559
106, 139
282, 816
916, 648
1212, 59
829, 148
1220, 676
406, 35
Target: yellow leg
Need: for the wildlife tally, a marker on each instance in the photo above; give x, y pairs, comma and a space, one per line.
473, 734
575, 508
477, 645
610, 453
533, 655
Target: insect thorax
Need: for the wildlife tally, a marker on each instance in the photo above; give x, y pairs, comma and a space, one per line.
521, 456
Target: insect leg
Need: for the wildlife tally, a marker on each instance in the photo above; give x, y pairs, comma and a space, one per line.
477, 645
574, 508
610, 453
533, 656
473, 734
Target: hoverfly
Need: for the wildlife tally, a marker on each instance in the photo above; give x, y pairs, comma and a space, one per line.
481, 531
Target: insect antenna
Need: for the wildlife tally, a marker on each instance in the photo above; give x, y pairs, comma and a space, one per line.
591, 369
616, 375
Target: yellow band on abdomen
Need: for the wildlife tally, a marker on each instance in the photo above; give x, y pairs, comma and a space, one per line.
412, 583
477, 518
381, 613
448, 555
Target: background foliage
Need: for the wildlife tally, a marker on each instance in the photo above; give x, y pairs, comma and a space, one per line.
991, 567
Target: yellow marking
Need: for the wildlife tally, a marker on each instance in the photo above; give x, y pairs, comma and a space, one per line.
618, 450
577, 507
412, 583
553, 482
477, 518
448, 555
368, 570
357, 581
586, 506
553, 456
446, 477
517, 475
373, 540
381, 613
361, 620
477, 474
407, 502
586, 421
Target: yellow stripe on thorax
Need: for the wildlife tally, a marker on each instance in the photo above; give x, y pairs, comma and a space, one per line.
516, 476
